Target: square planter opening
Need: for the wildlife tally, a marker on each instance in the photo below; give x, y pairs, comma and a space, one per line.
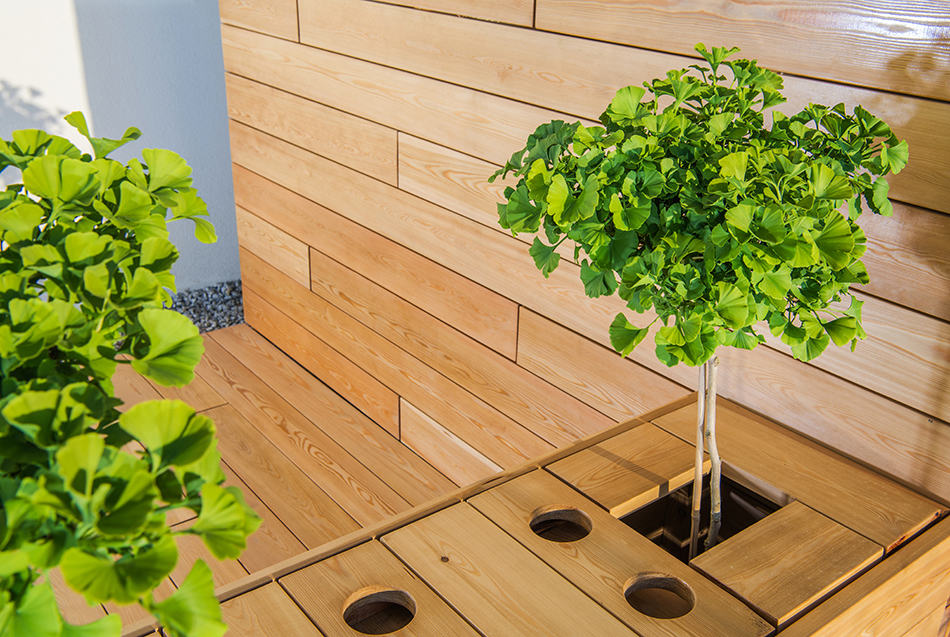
666, 520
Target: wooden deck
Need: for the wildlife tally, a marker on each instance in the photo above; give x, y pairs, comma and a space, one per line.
348, 509
313, 466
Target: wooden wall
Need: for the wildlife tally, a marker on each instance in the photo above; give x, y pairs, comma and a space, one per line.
362, 134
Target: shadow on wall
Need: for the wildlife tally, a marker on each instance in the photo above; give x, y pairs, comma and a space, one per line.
20, 108
930, 67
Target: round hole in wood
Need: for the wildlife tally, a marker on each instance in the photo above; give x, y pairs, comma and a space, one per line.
560, 523
660, 596
378, 610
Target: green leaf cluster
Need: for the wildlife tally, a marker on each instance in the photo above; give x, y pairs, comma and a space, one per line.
687, 202
85, 274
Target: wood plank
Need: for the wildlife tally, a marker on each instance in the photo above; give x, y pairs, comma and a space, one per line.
478, 569
197, 393
765, 379
287, 253
272, 542
324, 589
599, 376
510, 11
907, 258
862, 500
891, 597
452, 180
131, 387
72, 605
604, 561
361, 389
441, 448
482, 314
496, 436
932, 624
483, 125
867, 42
276, 17
631, 469
354, 487
580, 76
536, 404
787, 562
905, 356
133, 613
293, 496
880, 432
405, 472
335, 134
191, 548
265, 612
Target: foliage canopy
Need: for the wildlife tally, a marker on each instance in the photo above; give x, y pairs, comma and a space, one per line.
686, 203
85, 272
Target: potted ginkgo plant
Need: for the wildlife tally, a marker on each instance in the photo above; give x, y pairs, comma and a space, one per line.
709, 218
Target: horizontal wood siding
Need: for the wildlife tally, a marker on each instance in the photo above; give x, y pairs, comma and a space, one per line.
362, 150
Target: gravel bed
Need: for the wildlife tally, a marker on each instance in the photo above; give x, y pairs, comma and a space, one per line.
212, 307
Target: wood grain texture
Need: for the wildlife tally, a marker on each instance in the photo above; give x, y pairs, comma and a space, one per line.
191, 548
451, 179
335, 134
862, 500
323, 589
272, 542
890, 598
901, 46
511, 11
593, 373
441, 448
580, 76
406, 473
358, 490
197, 393
629, 470
286, 252
880, 432
301, 504
933, 625
907, 259
265, 612
471, 249
133, 613
905, 357
487, 570
276, 17
487, 430
601, 563
72, 605
358, 387
837, 412
785, 563
482, 314
483, 125
131, 387
539, 406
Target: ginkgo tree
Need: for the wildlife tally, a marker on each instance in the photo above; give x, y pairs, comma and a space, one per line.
85, 272
710, 221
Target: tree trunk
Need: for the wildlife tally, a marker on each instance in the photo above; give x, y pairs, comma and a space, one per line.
715, 473
698, 468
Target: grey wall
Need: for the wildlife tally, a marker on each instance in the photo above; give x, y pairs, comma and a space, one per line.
158, 66
154, 64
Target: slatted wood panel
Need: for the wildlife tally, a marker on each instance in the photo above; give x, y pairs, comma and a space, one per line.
901, 45
784, 564
445, 91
